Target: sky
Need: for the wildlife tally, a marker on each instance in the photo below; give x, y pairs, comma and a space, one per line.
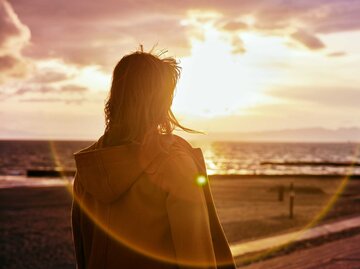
247, 66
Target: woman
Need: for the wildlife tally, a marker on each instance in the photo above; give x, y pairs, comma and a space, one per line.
141, 196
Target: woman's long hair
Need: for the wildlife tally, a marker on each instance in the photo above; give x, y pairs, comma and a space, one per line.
140, 98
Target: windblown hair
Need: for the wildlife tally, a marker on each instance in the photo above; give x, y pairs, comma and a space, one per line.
140, 98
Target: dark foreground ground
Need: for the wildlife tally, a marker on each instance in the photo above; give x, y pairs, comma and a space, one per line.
35, 229
340, 254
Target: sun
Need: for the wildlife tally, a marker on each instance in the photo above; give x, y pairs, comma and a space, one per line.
217, 81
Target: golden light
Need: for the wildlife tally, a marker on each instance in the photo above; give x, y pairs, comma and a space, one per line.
216, 81
93, 78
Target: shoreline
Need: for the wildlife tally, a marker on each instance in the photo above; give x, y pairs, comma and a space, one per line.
281, 176
48, 181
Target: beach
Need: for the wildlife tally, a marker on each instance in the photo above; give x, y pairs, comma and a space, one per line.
35, 229
249, 208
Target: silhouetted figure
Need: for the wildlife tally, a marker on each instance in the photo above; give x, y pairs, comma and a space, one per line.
141, 194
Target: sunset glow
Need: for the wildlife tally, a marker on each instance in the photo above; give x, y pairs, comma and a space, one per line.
218, 83
245, 67
153, 134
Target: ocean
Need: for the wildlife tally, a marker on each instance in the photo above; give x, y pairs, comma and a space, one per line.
240, 158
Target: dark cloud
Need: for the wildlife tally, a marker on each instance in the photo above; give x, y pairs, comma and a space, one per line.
12, 67
272, 15
95, 32
8, 62
104, 44
100, 32
235, 26
334, 16
318, 16
308, 40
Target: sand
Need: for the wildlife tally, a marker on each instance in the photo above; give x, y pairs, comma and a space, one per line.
249, 207
35, 229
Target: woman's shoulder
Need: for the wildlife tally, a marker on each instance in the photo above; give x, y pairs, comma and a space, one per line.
182, 151
93, 146
178, 166
178, 152
178, 158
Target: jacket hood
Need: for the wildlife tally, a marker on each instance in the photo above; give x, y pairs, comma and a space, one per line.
108, 172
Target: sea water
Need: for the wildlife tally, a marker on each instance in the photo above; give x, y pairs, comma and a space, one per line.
243, 158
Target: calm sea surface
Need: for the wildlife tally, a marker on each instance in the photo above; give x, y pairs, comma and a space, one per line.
221, 158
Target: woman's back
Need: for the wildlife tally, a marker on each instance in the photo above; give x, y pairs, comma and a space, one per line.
137, 199
147, 204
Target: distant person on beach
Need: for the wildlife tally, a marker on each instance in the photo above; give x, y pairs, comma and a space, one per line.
141, 193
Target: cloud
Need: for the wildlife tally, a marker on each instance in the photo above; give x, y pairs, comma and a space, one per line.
101, 32
53, 100
235, 26
27, 90
49, 90
50, 76
104, 44
71, 88
334, 16
337, 54
33, 89
13, 67
317, 16
14, 36
327, 96
308, 40
238, 45
13, 33
7, 62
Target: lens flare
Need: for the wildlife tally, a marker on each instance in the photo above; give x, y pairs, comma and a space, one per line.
200, 180
59, 167
133, 243
328, 206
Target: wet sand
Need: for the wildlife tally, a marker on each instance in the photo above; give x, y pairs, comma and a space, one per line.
35, 229
249, 207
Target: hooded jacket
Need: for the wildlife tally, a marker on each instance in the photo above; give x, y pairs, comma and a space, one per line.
146, 206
